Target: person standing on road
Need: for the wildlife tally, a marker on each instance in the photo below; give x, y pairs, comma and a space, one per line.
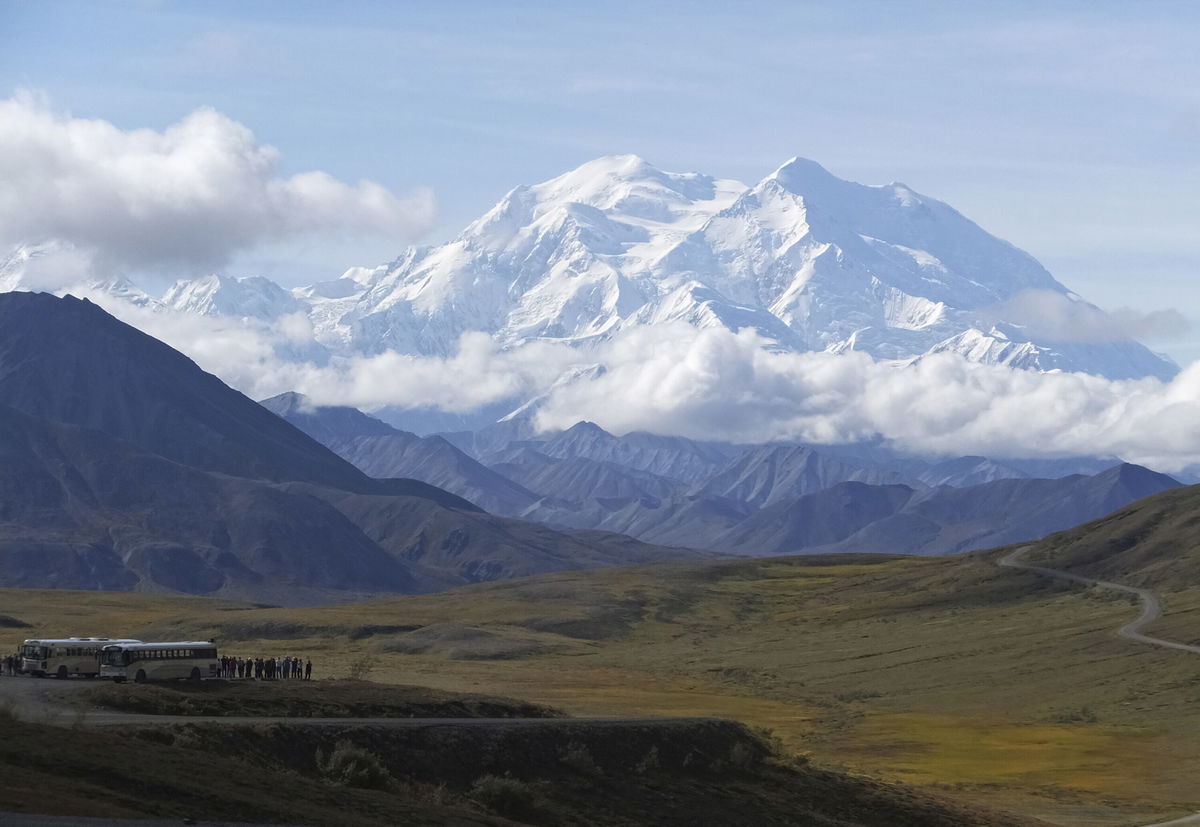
308, 670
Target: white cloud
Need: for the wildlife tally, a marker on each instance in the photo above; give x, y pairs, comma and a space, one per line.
716, 385
1051, 315
259, 358
712, 384
186, 198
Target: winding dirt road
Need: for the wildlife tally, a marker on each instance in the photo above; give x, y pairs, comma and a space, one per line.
1151, 608
1151, 611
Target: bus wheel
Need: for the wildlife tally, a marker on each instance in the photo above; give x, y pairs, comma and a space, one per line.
140, 677
195, 676
61, 674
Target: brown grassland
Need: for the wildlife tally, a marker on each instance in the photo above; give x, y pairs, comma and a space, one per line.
992, 687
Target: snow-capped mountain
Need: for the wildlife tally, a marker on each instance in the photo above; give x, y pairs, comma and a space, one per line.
252, 297
810, 261
18, 273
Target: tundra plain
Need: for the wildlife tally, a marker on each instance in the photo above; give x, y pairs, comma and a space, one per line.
990, 686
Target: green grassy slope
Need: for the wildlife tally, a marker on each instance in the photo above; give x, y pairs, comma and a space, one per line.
993, 686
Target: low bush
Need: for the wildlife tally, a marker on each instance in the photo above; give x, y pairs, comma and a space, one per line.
579, 758
506, 796
1082, 715
352, 766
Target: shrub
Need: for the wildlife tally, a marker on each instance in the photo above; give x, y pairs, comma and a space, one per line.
776, 751
577, 756
650, 762
857, 695
506, 796
361, 668
352, 766
1083, 715
742, 756
425, 793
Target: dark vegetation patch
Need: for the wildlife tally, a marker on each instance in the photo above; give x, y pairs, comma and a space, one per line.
9, 622
463, 643
146, 774
673, 772
361, 632
268, 630
238, 630
598, 623
304, 699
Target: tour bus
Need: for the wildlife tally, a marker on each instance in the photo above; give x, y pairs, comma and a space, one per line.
193, 660
63, 657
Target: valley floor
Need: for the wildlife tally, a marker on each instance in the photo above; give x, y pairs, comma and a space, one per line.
993, 687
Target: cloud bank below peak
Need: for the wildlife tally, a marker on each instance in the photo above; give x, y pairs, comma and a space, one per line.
184, 199
713, 384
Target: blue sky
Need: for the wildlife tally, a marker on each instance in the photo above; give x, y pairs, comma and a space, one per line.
1070, 129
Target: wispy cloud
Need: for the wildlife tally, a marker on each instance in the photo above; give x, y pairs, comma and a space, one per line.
1049, 315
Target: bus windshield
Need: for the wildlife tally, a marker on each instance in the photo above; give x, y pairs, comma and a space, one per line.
35, 652
113, 656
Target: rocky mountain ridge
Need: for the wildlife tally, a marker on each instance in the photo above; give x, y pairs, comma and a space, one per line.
752, 500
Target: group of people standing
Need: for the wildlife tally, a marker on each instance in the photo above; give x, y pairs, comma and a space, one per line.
11, 665
285, 668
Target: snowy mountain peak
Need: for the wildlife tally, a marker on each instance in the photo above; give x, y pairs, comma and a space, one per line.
248, 297
807, 259
800, 175
810, 261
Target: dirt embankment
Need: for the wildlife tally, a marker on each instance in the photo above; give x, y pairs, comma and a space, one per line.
548, 771
303, 699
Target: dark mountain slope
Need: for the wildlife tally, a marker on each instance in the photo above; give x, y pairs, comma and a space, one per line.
1152, 543
767, 474
79, 509
379, 450
437, 462
452, 548
324, 423
66, 360
674, 458
941, 520
819, 519
1007, 511
580, 478
126, 466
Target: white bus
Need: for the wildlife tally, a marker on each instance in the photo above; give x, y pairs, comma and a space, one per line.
194, 660
63, 657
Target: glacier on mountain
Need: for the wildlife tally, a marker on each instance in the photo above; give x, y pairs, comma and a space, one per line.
809, 261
